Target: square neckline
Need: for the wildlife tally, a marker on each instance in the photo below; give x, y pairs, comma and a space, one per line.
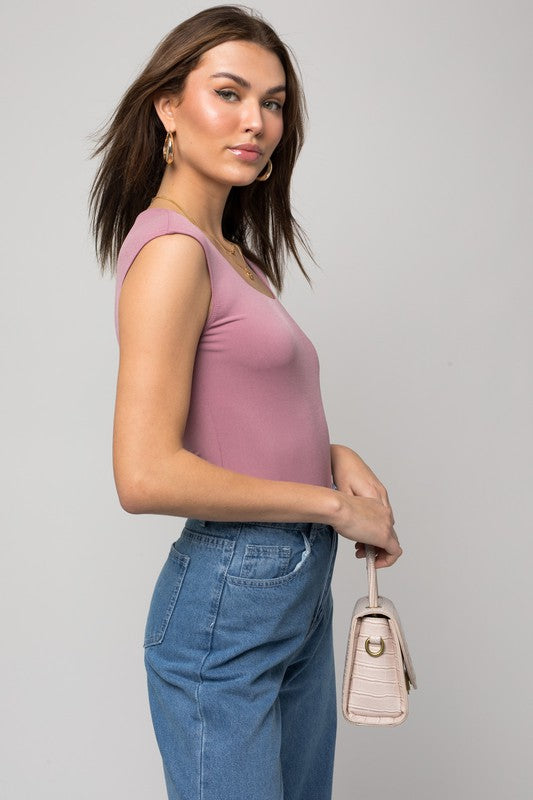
230, 265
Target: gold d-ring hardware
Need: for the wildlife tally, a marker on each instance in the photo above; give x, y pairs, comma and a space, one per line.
381, 648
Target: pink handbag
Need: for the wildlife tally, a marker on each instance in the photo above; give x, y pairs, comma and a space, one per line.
378, 671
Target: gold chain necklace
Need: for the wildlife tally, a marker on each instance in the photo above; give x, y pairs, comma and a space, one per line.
231, 250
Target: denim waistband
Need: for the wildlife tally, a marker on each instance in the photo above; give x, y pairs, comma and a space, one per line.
201, 524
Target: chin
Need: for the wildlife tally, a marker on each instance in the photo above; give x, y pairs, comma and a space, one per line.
244, 182
239, 180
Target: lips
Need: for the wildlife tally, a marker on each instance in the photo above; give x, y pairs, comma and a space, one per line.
247, 146
245, 155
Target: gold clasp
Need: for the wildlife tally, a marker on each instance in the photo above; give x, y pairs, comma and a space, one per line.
381, 650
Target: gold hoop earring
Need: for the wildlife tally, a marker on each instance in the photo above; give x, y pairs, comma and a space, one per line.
267, 173
168, 148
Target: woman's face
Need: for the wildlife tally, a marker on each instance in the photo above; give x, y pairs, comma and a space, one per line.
218, 113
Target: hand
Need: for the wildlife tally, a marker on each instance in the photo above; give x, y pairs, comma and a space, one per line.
354, 478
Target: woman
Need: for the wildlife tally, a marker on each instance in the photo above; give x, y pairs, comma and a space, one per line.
219, 417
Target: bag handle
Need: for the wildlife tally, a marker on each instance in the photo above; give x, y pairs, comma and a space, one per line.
372, 577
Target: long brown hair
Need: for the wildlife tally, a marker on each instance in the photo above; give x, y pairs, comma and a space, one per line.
258, 217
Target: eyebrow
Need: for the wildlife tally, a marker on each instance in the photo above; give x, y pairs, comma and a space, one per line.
245, 84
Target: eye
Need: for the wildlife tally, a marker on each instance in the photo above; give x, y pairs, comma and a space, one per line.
279, 106
224, 92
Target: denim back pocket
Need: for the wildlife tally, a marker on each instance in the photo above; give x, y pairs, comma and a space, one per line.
265, 560
264, 563
164, 596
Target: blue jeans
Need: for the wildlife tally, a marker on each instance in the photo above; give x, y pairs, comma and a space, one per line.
238, 650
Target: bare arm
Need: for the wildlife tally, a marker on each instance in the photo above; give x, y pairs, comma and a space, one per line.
207, 491
163, 306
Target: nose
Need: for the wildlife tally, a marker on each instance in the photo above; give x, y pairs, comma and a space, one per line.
253, 117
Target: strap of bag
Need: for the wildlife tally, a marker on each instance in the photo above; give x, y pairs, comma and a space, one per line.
372, 577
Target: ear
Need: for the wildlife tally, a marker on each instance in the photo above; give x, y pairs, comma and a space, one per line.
165, 105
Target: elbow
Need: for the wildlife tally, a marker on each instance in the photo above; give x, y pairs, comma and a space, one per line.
142, 486
130, 504
132, 493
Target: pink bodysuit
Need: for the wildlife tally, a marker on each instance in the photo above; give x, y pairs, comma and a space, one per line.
256, 405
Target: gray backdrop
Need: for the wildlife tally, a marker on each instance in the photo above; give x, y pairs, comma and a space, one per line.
415, 188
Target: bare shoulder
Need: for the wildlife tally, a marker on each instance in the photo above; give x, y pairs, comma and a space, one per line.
162, 309
166, 287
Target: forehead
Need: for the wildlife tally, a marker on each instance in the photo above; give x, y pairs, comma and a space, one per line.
248, 59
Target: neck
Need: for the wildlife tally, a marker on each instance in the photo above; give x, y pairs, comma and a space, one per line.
203, 201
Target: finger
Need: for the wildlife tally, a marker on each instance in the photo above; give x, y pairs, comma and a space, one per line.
382, 494
385, 500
